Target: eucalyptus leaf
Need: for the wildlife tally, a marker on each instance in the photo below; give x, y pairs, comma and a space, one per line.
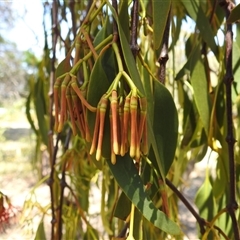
64, 66
197, 14
40, 234
123, 207
161, 10
165, 127
40, 108
205, 200
200, 88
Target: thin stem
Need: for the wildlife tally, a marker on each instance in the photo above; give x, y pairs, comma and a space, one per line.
134, 27
163, 57
76, 67
115, 28
63, 184
52, 150
228, 79
51, 183
200, 220
73, 17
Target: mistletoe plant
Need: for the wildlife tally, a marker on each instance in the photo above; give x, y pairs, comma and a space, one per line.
120, 113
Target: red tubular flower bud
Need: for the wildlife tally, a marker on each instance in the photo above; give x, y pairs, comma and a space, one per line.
133, 113
102, 113
95, 133
113, 155
114, 109
63, 114
70, 110
125, 125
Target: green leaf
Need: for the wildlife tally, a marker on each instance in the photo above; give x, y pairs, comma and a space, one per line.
165, 127
103, 33
40, 235
127, 177
123, 207
190, 64
205, 200
197, 14
124, 18
220, 182
234, 15
200, 88
161, 10
64, 66
40, 108
28, 114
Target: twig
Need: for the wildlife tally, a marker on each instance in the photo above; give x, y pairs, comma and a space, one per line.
50, 183
123, 232
200, 220
52, 150
228, 5
115, 28
73, 16
163, 57
63, 183
134, 26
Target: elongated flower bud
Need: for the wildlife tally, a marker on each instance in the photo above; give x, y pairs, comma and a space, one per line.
144, 145
80, 95
113, 155
126, 110
143, 114
63, 114
70, 110
56, 103
102, 113
114, 109
78, 114
120, 126
133, 112
95, 133
138, 152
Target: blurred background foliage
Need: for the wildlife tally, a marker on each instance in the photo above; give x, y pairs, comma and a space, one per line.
187, 116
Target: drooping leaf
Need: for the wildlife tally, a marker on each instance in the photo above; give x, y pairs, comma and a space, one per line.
200, 88
161, 10
197, 14
128, 179
190, 64
40, 234
123, 207
165, 126
64, 66
205, 200
124, 18
220, 183
40, 108
103, 33
28, 114
234, 15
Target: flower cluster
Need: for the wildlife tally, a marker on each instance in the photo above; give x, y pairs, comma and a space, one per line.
127, 125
